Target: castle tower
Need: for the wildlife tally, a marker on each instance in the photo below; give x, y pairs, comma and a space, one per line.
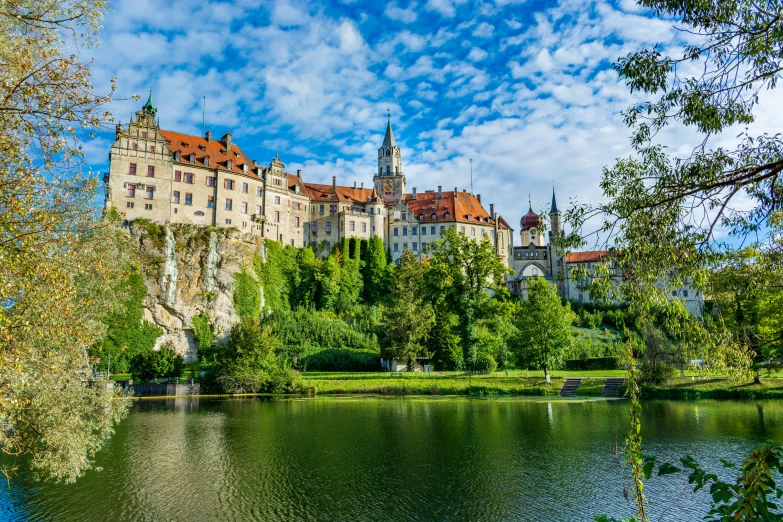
389, 180
530, 228
556, 225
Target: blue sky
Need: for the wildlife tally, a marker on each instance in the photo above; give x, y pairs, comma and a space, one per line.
523, 88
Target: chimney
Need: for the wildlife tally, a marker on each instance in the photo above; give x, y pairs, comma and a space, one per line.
334, 184
354, 185
494, 224
440, 192
413, 197
254, 163
455, 192
492, 210
299, 173
478, 197
362, 185
209, 136
227, 140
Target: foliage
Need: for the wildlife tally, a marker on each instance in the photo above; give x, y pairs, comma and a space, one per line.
342, 360
247, 296
593, 363
154, 364
374, 271
461, 271
444, 343
127, 332
202, 331
408, 318
544, 327
279, 275
485, 363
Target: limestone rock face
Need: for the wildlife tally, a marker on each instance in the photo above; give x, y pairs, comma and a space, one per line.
190, 270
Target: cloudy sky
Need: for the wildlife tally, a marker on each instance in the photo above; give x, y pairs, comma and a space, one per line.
523, 88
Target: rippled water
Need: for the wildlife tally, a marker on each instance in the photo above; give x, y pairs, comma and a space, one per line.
389, 459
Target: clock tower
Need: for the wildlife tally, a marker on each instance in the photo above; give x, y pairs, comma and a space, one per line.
388, 180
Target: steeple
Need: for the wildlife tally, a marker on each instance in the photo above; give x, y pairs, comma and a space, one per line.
149, 107
553, 209
388, 140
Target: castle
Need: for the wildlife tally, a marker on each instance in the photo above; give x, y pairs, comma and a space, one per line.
168, 177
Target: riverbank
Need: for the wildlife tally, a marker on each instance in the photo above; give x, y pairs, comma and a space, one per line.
715, 388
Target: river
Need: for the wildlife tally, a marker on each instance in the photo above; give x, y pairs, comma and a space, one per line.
358, 459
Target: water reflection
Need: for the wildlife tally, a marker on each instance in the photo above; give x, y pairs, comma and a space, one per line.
388, 459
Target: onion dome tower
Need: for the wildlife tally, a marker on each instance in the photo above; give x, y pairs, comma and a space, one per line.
530, 228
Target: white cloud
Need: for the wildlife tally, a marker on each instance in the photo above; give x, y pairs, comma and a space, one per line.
407, 15
484, 30
476, 54
447, 8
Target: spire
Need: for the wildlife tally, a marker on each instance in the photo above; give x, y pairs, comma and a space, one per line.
553, 209
388, 140
149, 106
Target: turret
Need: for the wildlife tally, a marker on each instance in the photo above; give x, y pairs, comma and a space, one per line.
556, 225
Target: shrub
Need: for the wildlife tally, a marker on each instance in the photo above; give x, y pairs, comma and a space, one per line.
343, 359
247, 296
485, 363
592, 320
657, 375
154, 364
202, 331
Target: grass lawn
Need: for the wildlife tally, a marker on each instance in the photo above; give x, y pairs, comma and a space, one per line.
591, 387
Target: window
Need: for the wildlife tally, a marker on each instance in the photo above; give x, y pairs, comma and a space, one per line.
244, 207
228, 221
134, 146
229, 204
176, 196
129, 204
277, 181
328, 227
396, 231
685, 293
404, 231
404, 216
192, 158
149, 192
150, 171
230, 165
210, 201
423, 231
351, 226
328, 246
442, 228
206, 161
447, 216
292, 242
674, 293
152, 148
258, 192
472, 231
177, 175
189, 177
364, 227
245, 188
211, 181
244, 224
424, 246
188, 198
396, 247
434, 216
277, 200
228, 183
143, 134
314, 227
332, 208
297, 206
432, 230
277, 216
415, 247
132, 169
131, 191
147, 206
296, 221
321, 209
178, 156
462, 229
414, 231
258, 209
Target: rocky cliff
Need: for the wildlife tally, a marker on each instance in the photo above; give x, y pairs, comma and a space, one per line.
190, 270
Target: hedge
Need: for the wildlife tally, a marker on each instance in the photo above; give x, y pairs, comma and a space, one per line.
592, 363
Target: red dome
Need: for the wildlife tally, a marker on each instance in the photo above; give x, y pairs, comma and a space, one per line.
530, 220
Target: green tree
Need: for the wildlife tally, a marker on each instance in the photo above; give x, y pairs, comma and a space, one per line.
244, 364
461, 273
374, 271
247, 296
544, 327
408, 318
443, 343
329, 284
153, 364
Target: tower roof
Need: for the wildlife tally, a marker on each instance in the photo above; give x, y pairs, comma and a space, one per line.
553, 209
149, 106
388, 140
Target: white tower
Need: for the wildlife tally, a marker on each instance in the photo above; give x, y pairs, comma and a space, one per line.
389, 180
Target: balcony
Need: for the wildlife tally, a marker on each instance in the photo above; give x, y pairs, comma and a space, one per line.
258, 218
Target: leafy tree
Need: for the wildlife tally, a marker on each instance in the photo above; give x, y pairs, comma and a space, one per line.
245, 363
374, 271
443, 343
304, 291
203, 332
544, 327
127, 332
329, 284
153, 364
247, 296
663, 212
461, 271
60, 263
408, 318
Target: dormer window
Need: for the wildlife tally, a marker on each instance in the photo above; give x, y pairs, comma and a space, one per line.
448, 215
434, 216
230, 165
192, 157
244, 168
206, 161
421, 217
178, 156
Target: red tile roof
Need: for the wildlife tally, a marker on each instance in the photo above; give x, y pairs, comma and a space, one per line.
348, 194
215, 149
462, 207
591, 256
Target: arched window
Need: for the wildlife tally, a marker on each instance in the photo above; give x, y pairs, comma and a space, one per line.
448, 215
388, 169
434, 216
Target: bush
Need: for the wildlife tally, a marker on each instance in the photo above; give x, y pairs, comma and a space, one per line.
343, 360
154, 364
657, 375
247, 295
592, 363
592, 320
485, 363
202, 331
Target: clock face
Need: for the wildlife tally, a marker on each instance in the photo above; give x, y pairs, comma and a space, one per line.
387, 186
